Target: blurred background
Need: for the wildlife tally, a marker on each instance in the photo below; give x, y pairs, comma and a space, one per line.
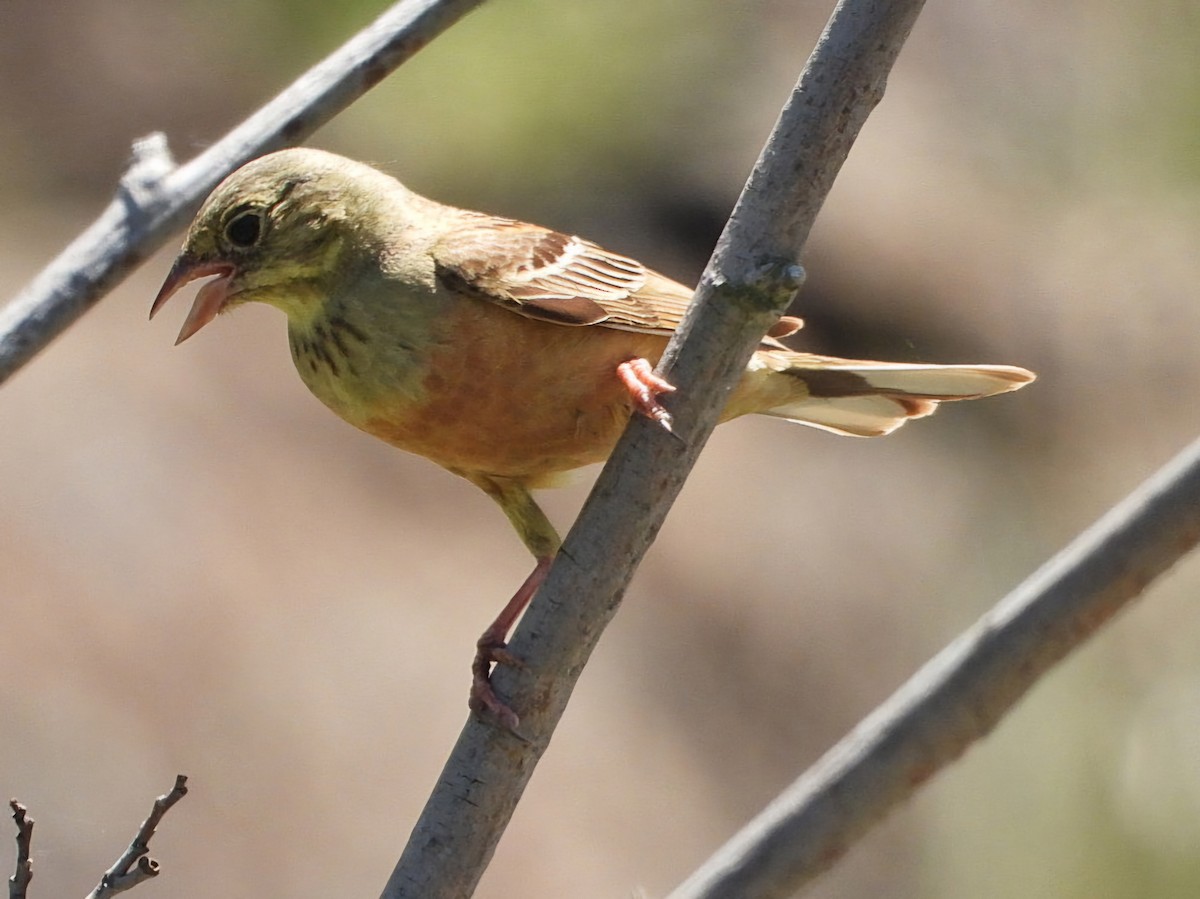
203, 571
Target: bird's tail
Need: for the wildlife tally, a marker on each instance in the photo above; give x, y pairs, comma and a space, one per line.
860, 398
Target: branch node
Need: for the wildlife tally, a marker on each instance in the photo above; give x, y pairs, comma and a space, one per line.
150, 162
794, 275
778, 280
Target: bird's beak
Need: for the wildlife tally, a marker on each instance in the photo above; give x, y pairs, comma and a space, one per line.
209, 300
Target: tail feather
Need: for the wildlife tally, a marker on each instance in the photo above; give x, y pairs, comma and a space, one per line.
868, 399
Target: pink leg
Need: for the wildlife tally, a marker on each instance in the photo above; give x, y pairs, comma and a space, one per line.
491, 647
645, 386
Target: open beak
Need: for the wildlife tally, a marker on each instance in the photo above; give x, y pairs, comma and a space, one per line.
209, 300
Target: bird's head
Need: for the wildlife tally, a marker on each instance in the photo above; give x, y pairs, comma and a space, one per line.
274, 231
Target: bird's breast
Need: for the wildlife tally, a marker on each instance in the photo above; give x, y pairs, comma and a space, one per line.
482, 390
358, 361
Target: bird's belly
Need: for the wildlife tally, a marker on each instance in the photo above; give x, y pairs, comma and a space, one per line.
503, 395
482, 431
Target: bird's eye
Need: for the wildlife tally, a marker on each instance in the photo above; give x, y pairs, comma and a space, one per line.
244, 230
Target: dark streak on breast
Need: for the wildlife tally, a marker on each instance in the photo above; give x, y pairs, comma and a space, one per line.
342, 327
321, 348
315, 350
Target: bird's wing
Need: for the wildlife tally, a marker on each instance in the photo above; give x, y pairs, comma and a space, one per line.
555, 277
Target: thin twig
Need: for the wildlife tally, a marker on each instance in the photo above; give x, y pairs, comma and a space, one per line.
155, 200
751, 278
135, 864
18, 884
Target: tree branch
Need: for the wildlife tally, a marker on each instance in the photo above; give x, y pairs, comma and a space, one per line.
960, 694
155, 199
135, 864
751, 278
18, 884
133, 867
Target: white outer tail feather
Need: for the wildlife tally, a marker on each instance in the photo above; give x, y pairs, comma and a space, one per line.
870, 399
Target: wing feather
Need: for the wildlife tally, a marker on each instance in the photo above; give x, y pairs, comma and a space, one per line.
561, 278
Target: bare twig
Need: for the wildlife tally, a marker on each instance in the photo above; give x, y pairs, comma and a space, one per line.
154, 200
135, 864
18, 884
961, 694
751, 278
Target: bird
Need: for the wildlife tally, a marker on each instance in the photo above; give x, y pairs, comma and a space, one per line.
508, 353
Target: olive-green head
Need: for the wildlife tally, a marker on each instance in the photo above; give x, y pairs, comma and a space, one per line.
278, 230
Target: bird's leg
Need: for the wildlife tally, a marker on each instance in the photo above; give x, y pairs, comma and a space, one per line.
539, 535
491, 647
644, 386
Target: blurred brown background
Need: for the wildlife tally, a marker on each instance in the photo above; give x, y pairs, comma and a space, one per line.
202, 570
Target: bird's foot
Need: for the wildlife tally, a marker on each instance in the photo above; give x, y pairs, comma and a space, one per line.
644, 387
483, 700
493, 648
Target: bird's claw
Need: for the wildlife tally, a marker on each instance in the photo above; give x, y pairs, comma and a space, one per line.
644, 387
501, 656
485, 703
483, 699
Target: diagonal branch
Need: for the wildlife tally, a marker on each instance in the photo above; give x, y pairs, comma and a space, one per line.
961, 694
135, 864
751, 278
155, 199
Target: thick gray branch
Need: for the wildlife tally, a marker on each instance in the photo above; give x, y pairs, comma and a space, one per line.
961, 694
751, 278
155, 199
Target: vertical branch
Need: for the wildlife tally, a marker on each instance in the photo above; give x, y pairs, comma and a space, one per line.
748, 283
18, 884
